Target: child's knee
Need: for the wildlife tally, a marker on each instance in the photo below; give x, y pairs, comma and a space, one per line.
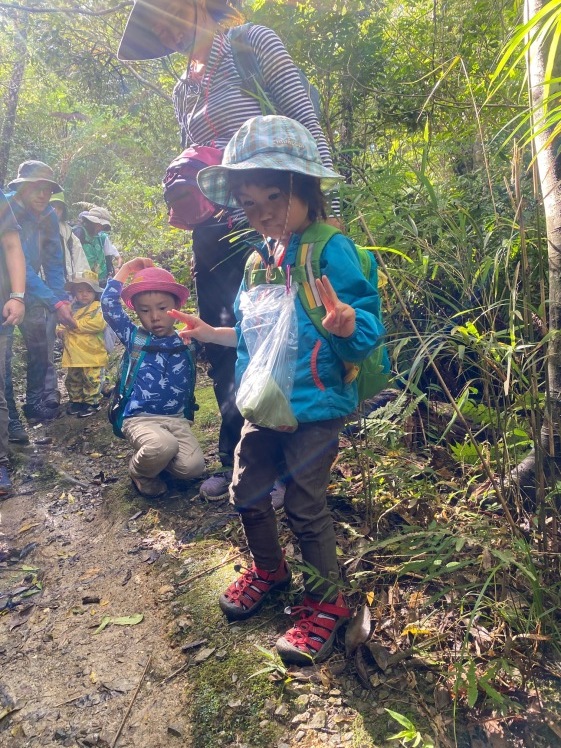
188, 465
156, 445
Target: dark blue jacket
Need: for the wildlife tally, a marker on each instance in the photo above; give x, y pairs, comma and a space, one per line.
40, 240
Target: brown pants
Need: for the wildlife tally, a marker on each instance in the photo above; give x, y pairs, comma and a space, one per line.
306, 456
163, 443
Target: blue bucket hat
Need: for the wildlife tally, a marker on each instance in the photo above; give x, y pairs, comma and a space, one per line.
271, 142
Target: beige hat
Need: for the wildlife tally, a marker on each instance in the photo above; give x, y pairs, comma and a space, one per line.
88, 277
97, 215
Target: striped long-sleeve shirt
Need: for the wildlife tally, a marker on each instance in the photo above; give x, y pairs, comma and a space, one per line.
211, 109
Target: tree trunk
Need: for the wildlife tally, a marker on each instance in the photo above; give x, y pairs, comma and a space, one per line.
21, 25
547, 454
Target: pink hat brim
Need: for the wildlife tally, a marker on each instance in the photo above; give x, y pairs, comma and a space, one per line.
175, 289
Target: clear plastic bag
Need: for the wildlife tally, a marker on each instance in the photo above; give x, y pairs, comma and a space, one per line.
270, 330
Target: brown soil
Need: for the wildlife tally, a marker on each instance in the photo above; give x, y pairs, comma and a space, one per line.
67, 683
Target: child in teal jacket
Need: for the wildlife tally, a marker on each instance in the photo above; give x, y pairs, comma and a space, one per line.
273, 170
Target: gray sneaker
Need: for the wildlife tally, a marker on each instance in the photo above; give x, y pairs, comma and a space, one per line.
216, 488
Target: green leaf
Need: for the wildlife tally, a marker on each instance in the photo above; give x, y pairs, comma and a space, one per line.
119, 621
472, 690
402, 719
30, 592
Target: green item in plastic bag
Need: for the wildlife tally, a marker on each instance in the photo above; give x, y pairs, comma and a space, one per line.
269, 407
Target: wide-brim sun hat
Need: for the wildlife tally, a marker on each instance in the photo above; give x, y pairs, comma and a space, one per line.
34, 171
139, 42
270, 142
98, 215
154, 279
89, 278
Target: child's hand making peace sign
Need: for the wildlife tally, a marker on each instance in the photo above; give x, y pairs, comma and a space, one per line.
340, 318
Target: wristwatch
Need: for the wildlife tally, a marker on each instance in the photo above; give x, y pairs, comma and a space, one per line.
19, 296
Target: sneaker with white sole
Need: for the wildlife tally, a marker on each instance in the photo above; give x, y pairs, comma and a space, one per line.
88, 410
216, 487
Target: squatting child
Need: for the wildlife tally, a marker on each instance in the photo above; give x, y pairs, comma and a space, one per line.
154, 416
273, 170
84, 354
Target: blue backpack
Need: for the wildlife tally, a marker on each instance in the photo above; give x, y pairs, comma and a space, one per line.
253, 82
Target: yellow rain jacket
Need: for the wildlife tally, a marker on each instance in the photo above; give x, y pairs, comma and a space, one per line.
84, 347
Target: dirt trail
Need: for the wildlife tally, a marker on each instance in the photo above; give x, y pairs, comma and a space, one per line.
69, 684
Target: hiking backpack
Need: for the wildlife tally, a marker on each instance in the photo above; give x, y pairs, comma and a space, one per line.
373, 374
187, 206
248, 69
129, 368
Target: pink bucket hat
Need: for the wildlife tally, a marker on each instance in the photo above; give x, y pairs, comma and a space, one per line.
153, 279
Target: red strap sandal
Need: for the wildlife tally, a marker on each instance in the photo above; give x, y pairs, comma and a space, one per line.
312, 636
244, 597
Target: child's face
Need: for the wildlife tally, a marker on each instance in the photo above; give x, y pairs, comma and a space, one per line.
152, 308
266, 210
84, 294
93, 229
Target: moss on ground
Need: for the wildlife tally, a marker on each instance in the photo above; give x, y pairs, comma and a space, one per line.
227, 697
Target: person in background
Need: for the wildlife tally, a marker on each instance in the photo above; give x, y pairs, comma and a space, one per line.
102, 254
84, 354
155, 422
12, 303
44, 261
75, 263
272, 168
210, 105
75, 258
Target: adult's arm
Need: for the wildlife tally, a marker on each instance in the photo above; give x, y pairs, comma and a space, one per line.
50, 291
14, 309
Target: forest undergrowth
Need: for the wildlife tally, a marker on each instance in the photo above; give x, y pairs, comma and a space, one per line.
449, 585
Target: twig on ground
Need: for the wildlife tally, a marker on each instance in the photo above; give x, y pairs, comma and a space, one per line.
176, 672
65, 476
208, 571
135, 694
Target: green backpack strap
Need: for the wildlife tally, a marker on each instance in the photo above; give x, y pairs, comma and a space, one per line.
134, 360
255, 272
373, 373
308, 256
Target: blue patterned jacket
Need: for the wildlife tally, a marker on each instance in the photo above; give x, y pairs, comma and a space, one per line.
164, 378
